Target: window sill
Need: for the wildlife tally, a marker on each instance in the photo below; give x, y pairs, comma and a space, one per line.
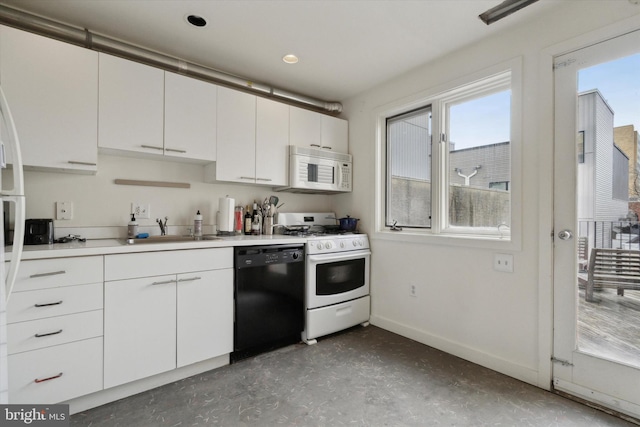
454, 240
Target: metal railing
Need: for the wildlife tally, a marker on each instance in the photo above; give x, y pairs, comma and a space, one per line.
621, 234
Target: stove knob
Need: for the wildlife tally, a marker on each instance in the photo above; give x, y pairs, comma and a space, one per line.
360, 242
328, 245
342, 245
354, 243
319, 246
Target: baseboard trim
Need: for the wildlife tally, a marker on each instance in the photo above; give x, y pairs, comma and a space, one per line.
112, 394
464, 352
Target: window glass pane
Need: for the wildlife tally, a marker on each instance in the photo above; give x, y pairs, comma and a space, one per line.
409, 169
581, 146
480, 161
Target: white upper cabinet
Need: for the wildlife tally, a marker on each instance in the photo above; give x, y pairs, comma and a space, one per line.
189, 118
334, 134
272, 143
131, 107
52, 90
315, 130
147, 110
253, 139
236, 142
305, 127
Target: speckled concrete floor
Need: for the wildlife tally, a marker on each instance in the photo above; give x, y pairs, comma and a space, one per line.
361, 377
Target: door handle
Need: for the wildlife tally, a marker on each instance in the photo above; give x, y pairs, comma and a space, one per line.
565, 235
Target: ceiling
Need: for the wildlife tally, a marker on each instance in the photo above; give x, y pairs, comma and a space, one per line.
345, 47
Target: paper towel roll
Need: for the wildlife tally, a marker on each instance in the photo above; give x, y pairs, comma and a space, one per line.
226, 220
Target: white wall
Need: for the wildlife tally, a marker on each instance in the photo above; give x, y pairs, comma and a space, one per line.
499, 320
99, 202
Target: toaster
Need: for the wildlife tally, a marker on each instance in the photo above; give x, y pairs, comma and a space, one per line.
38, 232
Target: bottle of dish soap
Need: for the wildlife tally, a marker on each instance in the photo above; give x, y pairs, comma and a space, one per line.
132, 227
197, 225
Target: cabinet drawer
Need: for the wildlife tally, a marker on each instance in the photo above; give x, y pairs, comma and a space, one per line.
54, 302
55, 374
146, 264
35, 334
52, 273
334, 318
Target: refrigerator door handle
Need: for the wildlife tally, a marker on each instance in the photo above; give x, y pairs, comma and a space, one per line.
16, 195
18, 242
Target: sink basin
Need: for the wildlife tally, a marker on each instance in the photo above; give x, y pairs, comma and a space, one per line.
170, 239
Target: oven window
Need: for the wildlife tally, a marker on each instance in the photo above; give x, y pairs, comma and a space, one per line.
338, 277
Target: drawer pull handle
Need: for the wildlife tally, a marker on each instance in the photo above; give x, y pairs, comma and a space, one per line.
176, 150
47, 334
326, 147
38, 380
247, 177
164, 283
75, 162
264, 179
190, 279
315, 145
152, 147
53, 273
48, 304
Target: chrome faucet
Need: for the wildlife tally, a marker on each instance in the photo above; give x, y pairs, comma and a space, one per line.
163, 226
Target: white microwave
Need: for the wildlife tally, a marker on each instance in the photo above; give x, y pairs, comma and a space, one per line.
314, 170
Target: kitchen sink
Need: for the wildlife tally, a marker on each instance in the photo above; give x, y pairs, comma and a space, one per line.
170, 239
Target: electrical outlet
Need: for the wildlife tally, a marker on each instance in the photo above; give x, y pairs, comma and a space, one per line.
141, 210
64, 210
413, 290
503, 262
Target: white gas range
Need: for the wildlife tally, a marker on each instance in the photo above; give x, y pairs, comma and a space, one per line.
337, 274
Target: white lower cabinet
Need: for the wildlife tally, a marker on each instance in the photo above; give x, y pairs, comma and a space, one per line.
154, 324
54, 330
139, 328
205, 315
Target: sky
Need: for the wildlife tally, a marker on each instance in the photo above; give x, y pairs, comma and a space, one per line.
619, 83
486, 120
481, 121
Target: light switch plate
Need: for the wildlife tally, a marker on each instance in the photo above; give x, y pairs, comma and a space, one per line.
503, 262
64, 210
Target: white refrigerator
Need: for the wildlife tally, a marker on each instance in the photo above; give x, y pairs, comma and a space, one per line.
9, 143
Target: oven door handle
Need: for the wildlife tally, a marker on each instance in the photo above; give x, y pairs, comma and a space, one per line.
318, 258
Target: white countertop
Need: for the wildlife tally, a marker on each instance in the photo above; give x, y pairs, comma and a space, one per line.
120, 246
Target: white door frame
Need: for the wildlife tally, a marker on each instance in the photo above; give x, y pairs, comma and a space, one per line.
545, 195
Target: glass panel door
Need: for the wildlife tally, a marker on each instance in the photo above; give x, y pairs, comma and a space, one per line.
597, 243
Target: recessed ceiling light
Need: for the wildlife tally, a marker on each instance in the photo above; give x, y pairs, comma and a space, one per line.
290, 59
196, 21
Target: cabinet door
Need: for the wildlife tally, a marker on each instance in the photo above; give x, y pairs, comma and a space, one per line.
52, 89
139, 328
304, 127
189, 118
272, 142
205, 315
335, 134
131, 106
236, 142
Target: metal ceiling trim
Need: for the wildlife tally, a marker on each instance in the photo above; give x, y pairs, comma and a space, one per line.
85, 38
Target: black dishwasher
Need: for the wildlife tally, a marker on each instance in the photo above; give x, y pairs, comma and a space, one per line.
269, 298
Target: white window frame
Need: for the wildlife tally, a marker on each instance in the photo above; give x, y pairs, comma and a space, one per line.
478, 84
